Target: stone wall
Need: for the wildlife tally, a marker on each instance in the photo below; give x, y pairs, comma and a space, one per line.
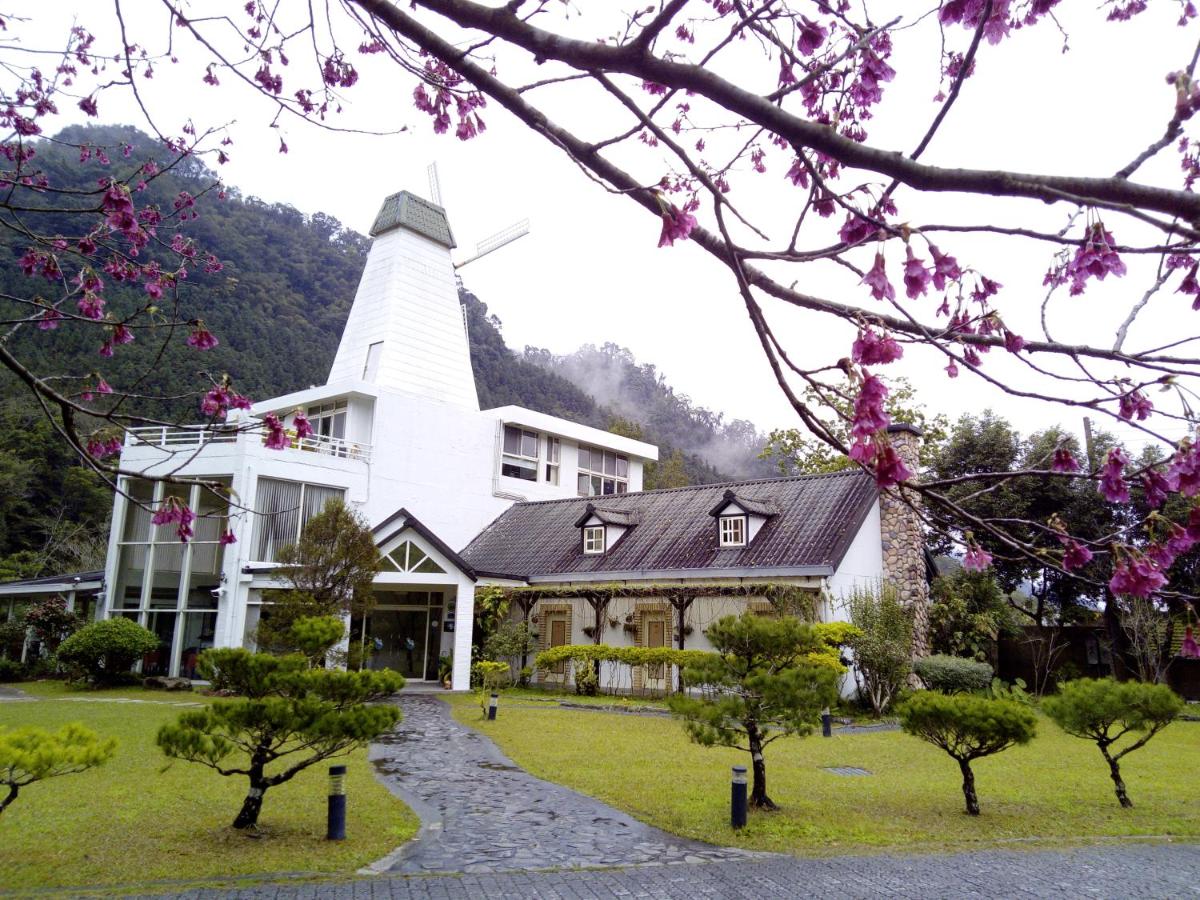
903, 539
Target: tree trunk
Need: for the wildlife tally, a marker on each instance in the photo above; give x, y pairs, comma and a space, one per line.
681, 605
1116, 637
252, 805
969, 787
12, 795
758, 790
1114, 769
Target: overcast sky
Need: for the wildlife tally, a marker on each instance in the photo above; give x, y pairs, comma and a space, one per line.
590, 271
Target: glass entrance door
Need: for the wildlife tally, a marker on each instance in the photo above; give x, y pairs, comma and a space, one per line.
401, 639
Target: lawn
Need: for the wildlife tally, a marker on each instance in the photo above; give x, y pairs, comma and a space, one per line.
136, 820
1055, 791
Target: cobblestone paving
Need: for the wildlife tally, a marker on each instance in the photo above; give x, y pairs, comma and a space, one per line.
480, 813
1137, 870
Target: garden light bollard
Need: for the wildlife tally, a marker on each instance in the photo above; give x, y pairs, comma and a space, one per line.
492, 704
826, 723
737, 799
336, 828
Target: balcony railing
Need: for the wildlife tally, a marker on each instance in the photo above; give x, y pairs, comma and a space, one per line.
180, 439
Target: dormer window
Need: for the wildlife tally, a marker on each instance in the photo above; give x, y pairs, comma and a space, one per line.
593, 540
733, 531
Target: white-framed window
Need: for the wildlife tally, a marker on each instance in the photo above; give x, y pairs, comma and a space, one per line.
282, 510
593, 539
329, 419
602, 472
519, 458
371, 364
553, 455
733, 531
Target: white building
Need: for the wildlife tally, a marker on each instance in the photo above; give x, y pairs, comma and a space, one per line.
400, 437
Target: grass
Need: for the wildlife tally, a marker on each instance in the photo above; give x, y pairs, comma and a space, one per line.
1053, 792
132, 822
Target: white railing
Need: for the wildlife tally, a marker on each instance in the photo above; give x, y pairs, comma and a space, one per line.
178, 438
183, 438
331, 446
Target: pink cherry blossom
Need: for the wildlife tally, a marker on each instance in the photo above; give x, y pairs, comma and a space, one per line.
870, 348
977, 559
677, 225
916, 276
1075, 556
889, 467
1183, 475
201, 338
303, 428
227, 537
1155, 487
1112, 482
1134, 575
1135, 403
277, 438
869, 414
1064, 461
876, 279
945, 267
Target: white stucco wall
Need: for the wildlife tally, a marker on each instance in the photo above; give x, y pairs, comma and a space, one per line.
862, 565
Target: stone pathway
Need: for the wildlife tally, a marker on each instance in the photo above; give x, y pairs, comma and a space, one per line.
1116, 871
9, 694
480, 813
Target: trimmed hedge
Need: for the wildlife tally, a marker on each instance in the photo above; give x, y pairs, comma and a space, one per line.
103, 651
630, 656
953, 675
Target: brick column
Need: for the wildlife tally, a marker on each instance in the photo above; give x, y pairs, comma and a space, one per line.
904, 540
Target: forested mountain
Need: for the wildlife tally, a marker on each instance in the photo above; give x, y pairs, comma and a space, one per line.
278, 307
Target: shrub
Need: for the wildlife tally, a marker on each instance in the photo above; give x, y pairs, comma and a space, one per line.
883, 645
315, 636
967, 614
967, 727
953, 675
1104, 711
51, 621
288, 717
762, 686
11, 670
105, 650
12, 639
33, 754
491, 676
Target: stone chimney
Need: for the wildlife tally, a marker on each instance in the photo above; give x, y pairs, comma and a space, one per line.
903, 538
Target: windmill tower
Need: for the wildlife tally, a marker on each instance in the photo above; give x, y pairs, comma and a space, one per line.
406, 331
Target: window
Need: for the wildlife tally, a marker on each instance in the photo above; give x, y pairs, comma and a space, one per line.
593, 539
282, 509
553, 453
733, 531
602, 472
371, 366
408, 557
520, 456
329, 419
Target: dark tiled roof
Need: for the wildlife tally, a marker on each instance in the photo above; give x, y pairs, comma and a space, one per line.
817, 518
750, 504
80, 577
608, 515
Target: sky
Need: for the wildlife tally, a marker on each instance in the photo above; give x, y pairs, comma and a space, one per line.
591, 271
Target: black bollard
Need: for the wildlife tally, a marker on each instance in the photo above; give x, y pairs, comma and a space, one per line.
492, 704
336, 827
826, 723
737, 800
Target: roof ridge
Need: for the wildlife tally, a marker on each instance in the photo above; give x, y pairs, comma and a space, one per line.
841, 473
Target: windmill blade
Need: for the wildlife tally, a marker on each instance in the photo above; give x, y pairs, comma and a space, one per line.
500, 239
435, 186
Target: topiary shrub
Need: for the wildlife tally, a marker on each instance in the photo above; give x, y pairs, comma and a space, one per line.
11, 670
1104, 711
104, 651
953, 675
967, 727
